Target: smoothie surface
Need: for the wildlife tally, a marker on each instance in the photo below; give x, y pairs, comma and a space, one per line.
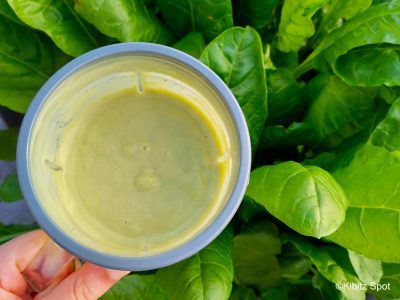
143, 172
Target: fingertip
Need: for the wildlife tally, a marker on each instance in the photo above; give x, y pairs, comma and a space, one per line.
22, 249
89, 282
113, 275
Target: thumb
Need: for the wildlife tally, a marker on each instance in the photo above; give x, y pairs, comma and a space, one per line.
88, 283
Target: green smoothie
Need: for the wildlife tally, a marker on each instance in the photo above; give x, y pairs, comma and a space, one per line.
135, 163
142, 171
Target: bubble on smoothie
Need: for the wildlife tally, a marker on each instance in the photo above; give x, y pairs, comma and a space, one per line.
146, 147
147, 181
130, 149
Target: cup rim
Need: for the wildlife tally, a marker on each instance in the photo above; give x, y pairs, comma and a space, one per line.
175, 255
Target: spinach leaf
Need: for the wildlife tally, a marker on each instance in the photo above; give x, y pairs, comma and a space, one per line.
331, 261
249, 208
6, 11
8, 232
387, 94
27, 59
368, 270
60, 22
192, 43
298, 133
294, 268
210, 17
306, 198
236, 56
322, 125
296, 24
10, 190
288, 60
255, 250
281, 293
256, 13
378, 24
135, 287
368, 66
127, 21
285, 103
206, 275
333, 96
391, 281
386, 133
8, 143
370, 181
343, 117
151, 4
243, 293
293, 264
324, 289
336, 12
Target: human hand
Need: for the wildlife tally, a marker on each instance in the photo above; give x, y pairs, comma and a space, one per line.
89, 282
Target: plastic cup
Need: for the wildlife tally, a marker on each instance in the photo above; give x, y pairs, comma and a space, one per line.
85, 80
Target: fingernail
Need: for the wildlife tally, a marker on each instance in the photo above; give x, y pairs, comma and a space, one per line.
51, 264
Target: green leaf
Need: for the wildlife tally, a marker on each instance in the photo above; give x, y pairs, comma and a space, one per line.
255, 251
249, 208
125, 20
281, 293
243, 293
306, 198
210, 17
236, 56
390, 281
150, 4
337, 111
368, 270
6, 11
192, 43
16, 100
370, 181
324, 289
331, 261
256, 13
338, 11
368, 66
296, 134
60, 22
284, 97
10, 190
8, 143
388, 94
135, 287
293, 264
296, 24
378, 24
294, 268
27, 59
288, 60
206, 275
8, 232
